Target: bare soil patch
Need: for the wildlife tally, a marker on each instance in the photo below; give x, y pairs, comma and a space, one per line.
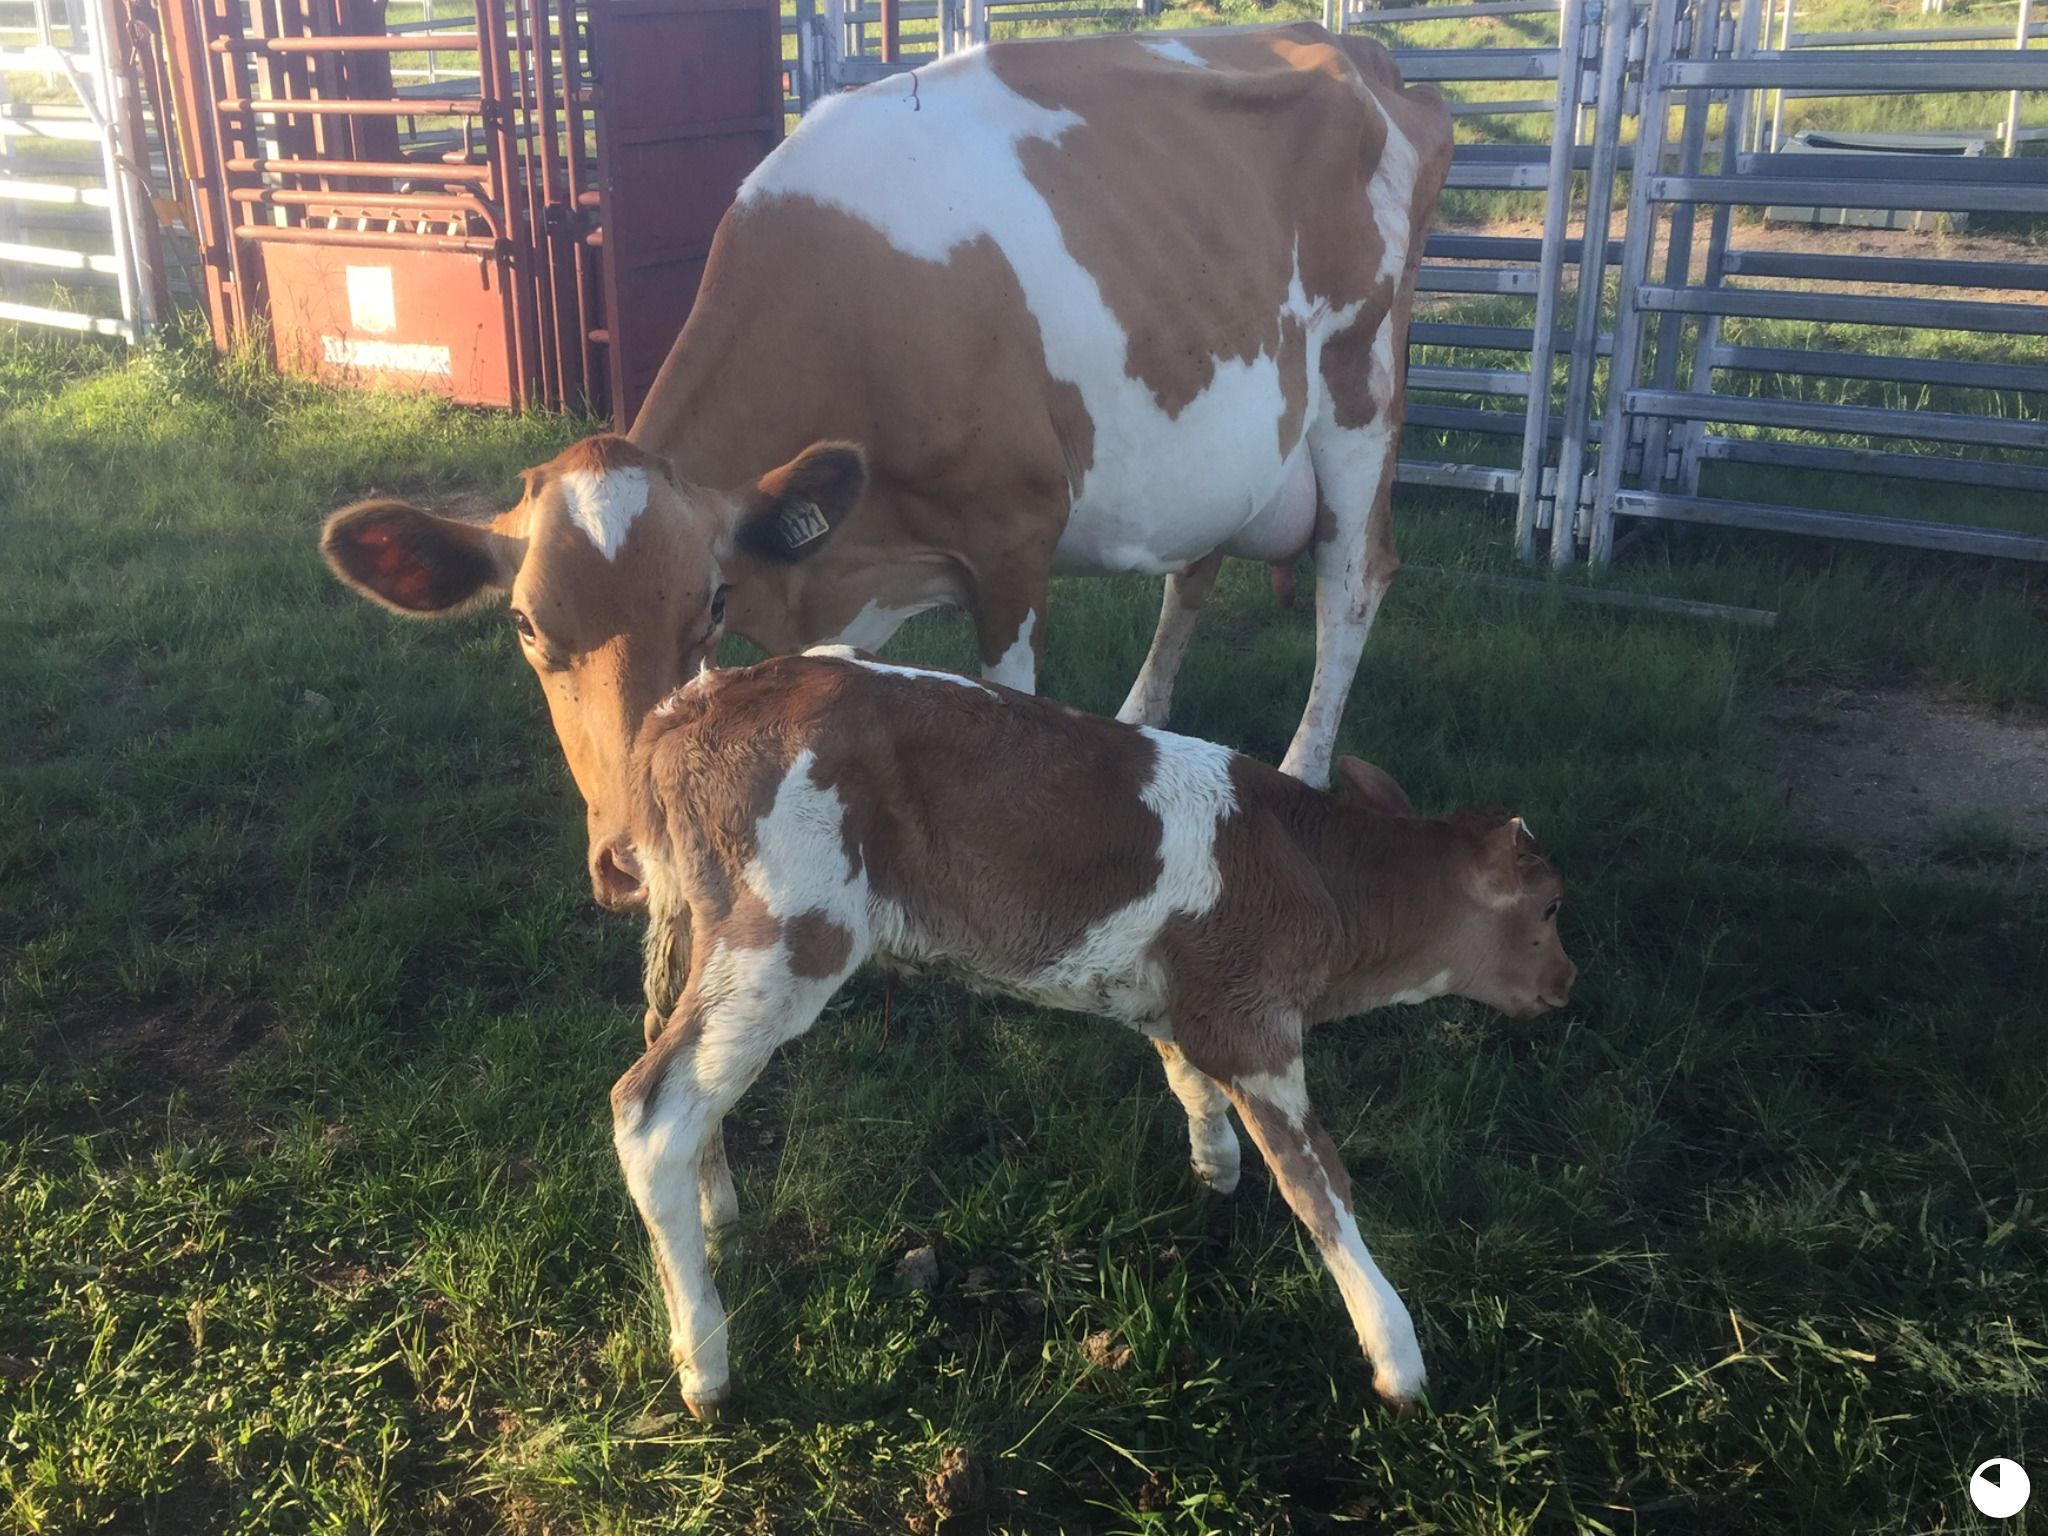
1910, 772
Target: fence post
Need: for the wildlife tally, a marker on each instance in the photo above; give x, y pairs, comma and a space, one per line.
1635, 263
2012, 105
1574, 22
1571, 457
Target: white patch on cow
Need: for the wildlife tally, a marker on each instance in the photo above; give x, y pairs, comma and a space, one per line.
1111, 970
872, 627
1017, 667
1436, 986
604, 503
891, 669
1173, 48
1286, 1090
1162, 490
1392, 194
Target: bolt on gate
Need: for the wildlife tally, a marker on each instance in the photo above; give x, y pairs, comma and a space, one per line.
475, 231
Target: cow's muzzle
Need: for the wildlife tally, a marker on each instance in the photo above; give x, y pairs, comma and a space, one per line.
615, 878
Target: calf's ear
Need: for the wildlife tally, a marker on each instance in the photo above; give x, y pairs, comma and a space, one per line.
787, 513
1368, 785
1507, 852
414, 562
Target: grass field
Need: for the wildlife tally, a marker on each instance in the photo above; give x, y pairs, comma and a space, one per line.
309, 1219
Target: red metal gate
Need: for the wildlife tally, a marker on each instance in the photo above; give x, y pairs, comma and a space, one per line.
689, 100
477, 233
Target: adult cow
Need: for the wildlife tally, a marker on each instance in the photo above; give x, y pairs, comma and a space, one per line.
1108, 304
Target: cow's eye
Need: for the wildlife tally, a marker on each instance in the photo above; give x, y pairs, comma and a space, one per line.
524, 625
718, 604
1550, 911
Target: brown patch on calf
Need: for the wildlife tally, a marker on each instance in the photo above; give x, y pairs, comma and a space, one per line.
818, 946
643, 1080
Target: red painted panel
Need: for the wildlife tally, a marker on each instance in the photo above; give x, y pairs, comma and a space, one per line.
427, 320
689, 100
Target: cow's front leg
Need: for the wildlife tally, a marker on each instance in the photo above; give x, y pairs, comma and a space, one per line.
1212, 1144
1151, 696
1009, 625
1311, 1176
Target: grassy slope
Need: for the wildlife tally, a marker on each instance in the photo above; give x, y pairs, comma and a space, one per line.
308, 1213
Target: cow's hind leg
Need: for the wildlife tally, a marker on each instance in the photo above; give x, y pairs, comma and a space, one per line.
1151, 696
665, 1116
1354, 442
1311, 1177
1212, 1144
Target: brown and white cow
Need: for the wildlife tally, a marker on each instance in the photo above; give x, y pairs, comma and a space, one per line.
802, 816
1110, 304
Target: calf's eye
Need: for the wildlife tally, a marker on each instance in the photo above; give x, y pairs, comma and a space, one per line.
1551, 911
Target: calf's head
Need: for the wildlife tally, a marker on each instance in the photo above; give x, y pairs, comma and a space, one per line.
618, 572
1494, 929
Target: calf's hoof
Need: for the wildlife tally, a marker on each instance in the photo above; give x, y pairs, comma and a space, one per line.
1220, 1181
1400, 1390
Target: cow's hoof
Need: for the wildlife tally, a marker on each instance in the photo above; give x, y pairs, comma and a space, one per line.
1220, 1181
709, 1407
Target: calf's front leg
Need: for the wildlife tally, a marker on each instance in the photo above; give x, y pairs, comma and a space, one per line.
1311, 1177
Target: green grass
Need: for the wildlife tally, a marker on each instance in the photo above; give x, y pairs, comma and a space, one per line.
309, 1219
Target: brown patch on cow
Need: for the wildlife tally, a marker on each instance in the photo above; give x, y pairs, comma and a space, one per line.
818, 946
1293, 382
1326, 523
642, 1082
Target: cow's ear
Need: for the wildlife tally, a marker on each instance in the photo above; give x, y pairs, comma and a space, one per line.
416, 563
787, 513
1368, 785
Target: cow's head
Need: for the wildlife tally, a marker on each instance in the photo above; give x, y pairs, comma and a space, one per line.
618, 571
1496, 930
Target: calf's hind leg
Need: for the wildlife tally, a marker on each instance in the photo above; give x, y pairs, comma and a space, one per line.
1311, 1177
665, 1120
1212, 1144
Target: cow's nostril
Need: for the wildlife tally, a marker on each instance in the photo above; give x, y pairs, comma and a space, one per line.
615, 877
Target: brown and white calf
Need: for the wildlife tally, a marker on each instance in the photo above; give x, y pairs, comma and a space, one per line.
802, 816
1106, 304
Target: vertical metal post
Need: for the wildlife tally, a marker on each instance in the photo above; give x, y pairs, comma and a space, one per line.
1666, 344
1571, 456
977, 22
1778, 97
1578, 19
892, 31
2012, 105
1635, 264
1333, 15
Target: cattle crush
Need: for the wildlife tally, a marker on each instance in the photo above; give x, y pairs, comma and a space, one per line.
467, 200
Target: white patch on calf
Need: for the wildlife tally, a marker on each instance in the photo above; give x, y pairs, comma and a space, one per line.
1173, 48
1111, 970
604, 504
890, 669
1286, 1090
1383, 1324
1436, 986
1017, 667
799, 863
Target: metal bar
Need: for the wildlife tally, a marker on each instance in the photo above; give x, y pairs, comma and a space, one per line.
412, 107
1475, 64
1899, 165
1948, 469
1538, 382
1890, 269
1395, 15
1940, 372
1492, 338
57, 258
2011, 136
1601, 597
522, 325
1928, 196
1920, 70
1459, 477
1902, 35
300, 234
1770, 518
1860, 420
15, 190
1654, 125
1852, 309
65, 320
417, 42
422, 170
892, 31
1469, 381
1474, 280
398, 205
1571, 456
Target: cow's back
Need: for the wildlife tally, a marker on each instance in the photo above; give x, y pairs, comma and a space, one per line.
1100, 269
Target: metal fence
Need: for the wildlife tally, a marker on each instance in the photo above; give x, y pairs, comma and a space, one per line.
80, 248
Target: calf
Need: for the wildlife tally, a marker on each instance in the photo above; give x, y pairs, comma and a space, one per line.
799, 817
